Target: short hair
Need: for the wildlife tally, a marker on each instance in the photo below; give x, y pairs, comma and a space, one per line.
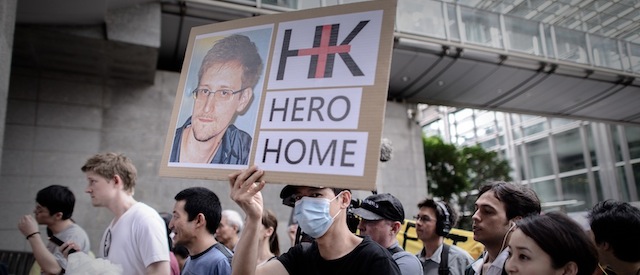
617, 223
234, 219
200, 200
235, 48
269, 219
430, 203
57, 198
518, 200
562, 239
108, 165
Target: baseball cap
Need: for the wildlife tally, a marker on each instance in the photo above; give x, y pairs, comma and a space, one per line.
286, 194
380, 207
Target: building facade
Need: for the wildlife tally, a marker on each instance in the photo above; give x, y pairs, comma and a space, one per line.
571, 164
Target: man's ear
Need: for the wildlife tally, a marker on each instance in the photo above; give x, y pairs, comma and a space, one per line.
245, 99
395, 227
345, 199
117, 180
58, 215
200, 220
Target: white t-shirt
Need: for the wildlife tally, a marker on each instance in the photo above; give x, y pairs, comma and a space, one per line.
73, 233
136, 240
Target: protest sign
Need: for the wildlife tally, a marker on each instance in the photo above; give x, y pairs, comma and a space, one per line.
300, 94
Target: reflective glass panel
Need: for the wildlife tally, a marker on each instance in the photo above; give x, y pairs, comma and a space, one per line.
633, 141
523, 35
421, 17
539, 158
605, 52
577, 188
481, 27
569, 150
635, 57
546, 190
572, 45
599, 188
535, 128
623, 188
616, 142
555, 122
636, 175
521, 164
590, 146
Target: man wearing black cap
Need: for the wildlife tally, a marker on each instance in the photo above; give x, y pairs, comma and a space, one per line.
381, 217
321, 213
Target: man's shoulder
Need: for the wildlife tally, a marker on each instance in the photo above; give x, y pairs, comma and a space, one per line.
456, 252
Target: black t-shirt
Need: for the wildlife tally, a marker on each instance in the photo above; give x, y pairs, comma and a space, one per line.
367, 258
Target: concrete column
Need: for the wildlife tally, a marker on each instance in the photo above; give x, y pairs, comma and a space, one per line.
7, 27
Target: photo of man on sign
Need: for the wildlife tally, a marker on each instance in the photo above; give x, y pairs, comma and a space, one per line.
226, 82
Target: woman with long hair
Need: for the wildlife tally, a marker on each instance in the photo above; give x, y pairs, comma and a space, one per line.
268, 245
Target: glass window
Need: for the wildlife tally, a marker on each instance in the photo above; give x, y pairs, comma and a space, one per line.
605, 52
633, 141
599, 187
590, 146
515, 118
421, 17
577, 188
572, 45
546, 190
539, 158
555, 122
523, 35
528, 117
616, 142
535, 128
488, 144
463, 114
569, 150
635, 57
500, 120
432, 129
636, 175
519, 156
623, 188
454, 32
517, 132
481, 27
282, 3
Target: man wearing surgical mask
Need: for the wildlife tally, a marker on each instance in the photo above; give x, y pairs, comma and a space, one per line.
321, 214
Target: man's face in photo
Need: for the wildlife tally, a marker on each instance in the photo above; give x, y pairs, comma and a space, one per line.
212, 115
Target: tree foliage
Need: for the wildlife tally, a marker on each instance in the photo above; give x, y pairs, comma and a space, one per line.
452, 170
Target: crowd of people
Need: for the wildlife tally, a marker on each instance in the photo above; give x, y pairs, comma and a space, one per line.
199, 237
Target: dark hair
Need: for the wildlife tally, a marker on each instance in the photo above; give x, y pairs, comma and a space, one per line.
108, 165
270, 220
235, 48
201, 200
618, 224
181, 251
167, 219
57, 198
518, 200
562, 239
430, 203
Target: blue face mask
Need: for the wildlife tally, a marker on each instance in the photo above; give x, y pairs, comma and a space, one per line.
312, 215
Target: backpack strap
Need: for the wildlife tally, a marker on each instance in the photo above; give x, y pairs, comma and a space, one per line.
225, 251
443, 269
395, 250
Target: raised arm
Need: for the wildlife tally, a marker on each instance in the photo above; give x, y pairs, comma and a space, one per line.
245, 191
47, 261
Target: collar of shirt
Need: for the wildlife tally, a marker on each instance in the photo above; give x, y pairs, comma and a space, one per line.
434, 258
496, 267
